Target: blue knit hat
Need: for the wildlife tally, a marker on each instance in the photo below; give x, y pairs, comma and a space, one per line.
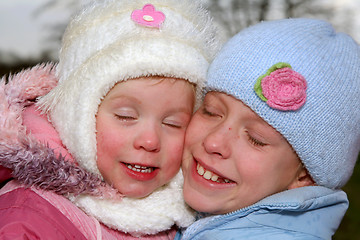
302, 78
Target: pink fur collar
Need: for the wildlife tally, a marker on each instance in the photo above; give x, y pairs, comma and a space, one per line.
33, 163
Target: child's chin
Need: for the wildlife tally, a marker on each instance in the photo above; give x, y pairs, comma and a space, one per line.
201, 201
197, 206
139, 193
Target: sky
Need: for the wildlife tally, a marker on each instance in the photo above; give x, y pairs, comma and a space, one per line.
18, 26
23, 33
13, 23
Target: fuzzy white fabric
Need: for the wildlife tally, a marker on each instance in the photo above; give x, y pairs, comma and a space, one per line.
103, 46
150, 215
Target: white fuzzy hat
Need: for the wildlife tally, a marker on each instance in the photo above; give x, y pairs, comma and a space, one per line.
115, 40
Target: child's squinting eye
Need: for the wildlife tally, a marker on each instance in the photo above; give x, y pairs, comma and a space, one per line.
255, 141
207, 112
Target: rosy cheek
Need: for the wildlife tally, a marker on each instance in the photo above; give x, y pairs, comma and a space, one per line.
108, 142
178, 151
179, 144
112, 145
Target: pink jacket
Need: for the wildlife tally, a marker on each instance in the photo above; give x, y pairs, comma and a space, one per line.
34, 205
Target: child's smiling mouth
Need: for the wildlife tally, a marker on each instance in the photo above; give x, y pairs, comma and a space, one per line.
209, 175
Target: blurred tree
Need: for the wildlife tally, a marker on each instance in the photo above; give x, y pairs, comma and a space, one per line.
16, 64
10, 63
234, 15
349, 227
230, 15
55, 31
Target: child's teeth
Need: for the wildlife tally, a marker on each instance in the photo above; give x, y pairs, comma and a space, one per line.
139, 168
214, 178
209, 175
201, 170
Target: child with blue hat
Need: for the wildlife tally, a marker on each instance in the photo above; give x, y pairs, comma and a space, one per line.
277, 135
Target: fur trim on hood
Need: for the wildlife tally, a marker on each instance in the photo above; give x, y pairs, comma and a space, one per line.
33, 163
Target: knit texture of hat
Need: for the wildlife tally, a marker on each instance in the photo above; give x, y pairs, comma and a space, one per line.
325, 130
103, 45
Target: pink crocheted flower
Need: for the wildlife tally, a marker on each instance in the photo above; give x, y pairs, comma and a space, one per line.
148, 16
282, 88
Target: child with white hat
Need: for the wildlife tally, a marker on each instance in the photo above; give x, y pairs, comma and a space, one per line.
95, 142
277, 135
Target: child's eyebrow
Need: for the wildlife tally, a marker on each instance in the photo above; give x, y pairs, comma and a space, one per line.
126, 98
181, 110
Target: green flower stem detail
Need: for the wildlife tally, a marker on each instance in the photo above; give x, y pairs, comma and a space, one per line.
257, 87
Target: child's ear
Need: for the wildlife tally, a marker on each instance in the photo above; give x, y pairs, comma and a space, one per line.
302, 179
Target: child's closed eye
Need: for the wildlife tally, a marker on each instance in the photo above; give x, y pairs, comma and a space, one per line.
125, 117
254, 141
126, 114
206, 111
172, 124
177, 122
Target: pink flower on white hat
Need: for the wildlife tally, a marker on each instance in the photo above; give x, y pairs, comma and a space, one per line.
148, 16
282, 88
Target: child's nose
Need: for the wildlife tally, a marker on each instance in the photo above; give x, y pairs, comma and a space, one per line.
148, 140
217, 142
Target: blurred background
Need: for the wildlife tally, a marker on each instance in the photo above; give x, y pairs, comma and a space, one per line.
31, 30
